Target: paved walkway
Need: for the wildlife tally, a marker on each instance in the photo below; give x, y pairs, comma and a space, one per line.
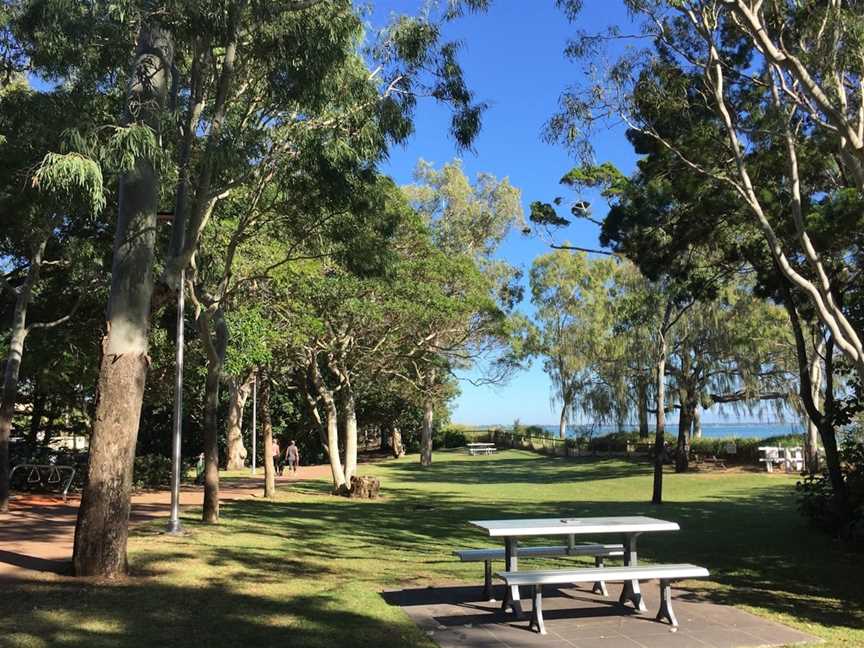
577, 618
37, 533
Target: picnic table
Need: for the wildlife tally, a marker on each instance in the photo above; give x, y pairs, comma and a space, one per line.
790, 459
630, 527
480, 448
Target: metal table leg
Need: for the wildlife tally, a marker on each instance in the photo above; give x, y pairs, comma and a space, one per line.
631, 591
512, 599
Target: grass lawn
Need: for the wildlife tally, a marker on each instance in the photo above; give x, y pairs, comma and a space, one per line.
306, 569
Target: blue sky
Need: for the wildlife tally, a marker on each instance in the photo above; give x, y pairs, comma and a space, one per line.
513, 60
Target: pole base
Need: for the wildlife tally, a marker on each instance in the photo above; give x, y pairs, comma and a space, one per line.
173, 527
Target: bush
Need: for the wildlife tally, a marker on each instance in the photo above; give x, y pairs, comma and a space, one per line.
154, 471
451, 436
816, 496
613, 442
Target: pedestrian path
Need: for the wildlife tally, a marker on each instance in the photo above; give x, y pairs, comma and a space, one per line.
37, 533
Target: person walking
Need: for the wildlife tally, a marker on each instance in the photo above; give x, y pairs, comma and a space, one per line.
292, 457
277, 457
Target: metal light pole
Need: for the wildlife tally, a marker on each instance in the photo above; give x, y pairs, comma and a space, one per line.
254, 417
176, 459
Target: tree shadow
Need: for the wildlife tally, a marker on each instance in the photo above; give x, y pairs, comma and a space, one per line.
145, 612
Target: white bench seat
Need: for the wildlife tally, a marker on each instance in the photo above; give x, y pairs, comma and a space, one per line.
599, 551
537, 579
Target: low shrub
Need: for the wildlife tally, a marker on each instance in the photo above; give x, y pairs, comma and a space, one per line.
816, 496
154, 471
451, 436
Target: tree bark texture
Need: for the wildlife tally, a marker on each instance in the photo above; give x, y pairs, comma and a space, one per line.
239, 391
426, 434
660, 434
215, 344
102, 527
642, 407
330, 421
811, 441
349, 414
396, 447
267, 429
562, 423
685, 423
210, 512
697, 422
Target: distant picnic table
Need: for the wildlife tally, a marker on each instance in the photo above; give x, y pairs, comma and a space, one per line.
481, 448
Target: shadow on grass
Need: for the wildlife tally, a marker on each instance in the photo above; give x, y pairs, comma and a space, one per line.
143, 612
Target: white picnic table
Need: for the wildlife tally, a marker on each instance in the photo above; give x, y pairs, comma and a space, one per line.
480, 448
631, 527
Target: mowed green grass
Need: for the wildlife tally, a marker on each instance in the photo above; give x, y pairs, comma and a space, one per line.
307, 569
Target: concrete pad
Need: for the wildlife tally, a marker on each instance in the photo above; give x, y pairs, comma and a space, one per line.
577, 618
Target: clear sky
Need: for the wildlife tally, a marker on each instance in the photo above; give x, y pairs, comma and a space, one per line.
513, 60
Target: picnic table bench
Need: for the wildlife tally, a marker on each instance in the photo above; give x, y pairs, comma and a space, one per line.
665, 573
598, 551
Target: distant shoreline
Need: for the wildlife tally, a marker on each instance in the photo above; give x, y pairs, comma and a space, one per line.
714, 430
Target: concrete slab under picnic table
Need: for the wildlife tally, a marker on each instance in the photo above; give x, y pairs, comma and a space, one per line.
454, 615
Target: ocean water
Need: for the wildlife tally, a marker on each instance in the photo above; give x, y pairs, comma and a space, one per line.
734, 430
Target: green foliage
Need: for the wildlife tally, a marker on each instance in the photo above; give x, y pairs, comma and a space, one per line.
449, 436
816, 499
154, 471
70, 175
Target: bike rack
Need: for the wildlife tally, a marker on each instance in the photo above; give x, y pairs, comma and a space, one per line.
48, 474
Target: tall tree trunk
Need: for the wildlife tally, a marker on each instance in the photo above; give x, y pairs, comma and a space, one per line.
349, 414
562, 422
210, 512
267, 428
238, 395
37, 414
660, 434
824, 419
426, 434
811, 441
697, 422
103, 517
685, 423
215, 345
330, 422
396, 447
12, 366
642, 407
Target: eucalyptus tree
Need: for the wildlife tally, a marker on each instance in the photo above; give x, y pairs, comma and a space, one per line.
469, 221
734, 349
571, 294
755, 78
